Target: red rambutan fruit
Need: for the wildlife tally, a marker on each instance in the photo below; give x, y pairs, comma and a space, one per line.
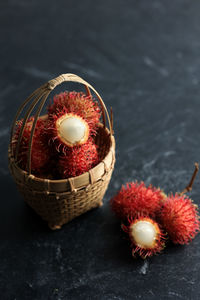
40, 155
180, 218
77, 103
146, 236
73, 119
135, 199
78, 160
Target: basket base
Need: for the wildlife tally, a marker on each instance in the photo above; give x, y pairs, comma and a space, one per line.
57, 226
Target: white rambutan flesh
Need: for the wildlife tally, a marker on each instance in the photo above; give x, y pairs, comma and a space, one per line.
72, 129
144, 234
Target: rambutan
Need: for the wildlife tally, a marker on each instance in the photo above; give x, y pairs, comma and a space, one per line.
135, 199
77, 103
73, 119
67, 130
146, 236
78, 160
180, 218
40, 154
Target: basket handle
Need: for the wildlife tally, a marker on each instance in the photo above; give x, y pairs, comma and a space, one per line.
40, 96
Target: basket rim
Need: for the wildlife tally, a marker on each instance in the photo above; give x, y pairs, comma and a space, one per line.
73, 183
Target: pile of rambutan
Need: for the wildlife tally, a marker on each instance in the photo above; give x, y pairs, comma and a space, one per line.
150, 217
63, 143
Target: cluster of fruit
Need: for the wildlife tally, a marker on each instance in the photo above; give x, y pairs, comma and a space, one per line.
150, 216
63, 143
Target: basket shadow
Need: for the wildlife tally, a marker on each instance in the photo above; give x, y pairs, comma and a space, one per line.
97, 228
107, 241
99, 225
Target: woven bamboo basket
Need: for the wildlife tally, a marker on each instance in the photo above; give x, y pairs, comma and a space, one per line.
59, 201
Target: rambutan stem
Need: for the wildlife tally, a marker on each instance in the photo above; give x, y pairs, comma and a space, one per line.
111, 119
189, 187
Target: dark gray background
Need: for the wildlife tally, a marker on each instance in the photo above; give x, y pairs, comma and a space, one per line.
144, 59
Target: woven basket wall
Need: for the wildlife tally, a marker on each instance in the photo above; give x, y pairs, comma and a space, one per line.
59, 201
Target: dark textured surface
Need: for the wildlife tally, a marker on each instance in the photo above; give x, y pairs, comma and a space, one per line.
144, 59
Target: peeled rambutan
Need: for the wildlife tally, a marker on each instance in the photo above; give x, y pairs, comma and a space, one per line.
78, 160
135, 199
40, 154
180, 218
146, 236
67, 130
77, 103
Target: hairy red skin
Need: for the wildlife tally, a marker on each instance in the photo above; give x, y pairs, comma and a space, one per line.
77, 103
78, 160
180, 218
40, 155
135, 199
158, 245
